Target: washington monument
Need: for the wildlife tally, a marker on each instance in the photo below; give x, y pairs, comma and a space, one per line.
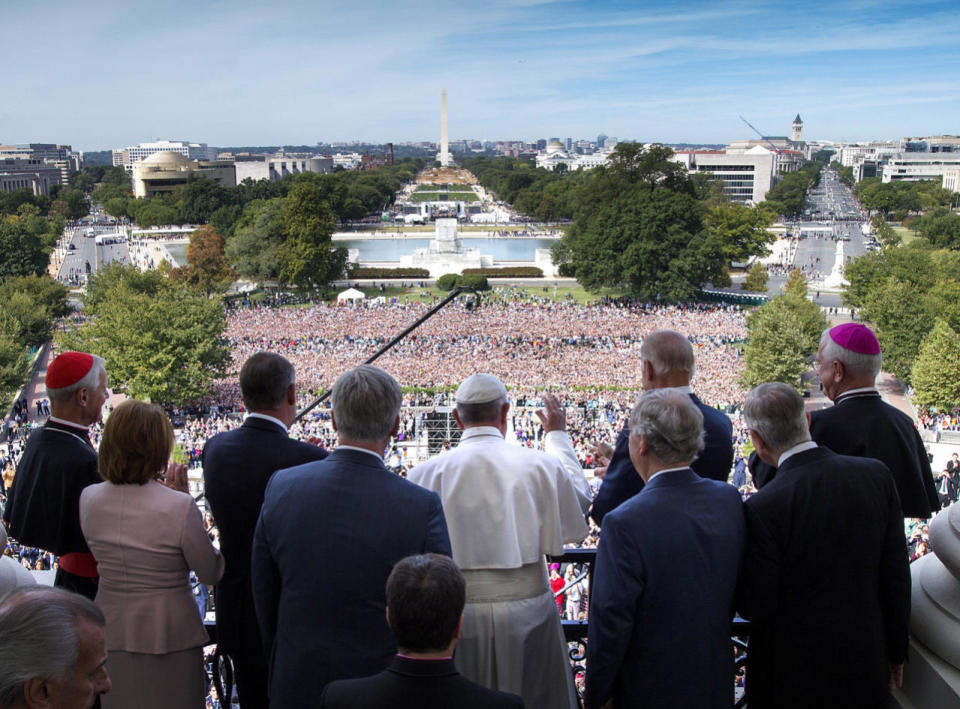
444, 144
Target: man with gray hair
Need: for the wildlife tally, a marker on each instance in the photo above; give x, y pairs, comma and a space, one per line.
52, 650
860, 423
666, 572
328, 535
667, 362
507, 506
825, 567
43, 507
237, 465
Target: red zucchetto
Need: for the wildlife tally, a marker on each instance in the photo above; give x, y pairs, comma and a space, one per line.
67, 369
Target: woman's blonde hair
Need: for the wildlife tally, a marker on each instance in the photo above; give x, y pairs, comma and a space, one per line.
136, 444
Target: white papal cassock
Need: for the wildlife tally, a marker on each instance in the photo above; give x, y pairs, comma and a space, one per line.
506, 506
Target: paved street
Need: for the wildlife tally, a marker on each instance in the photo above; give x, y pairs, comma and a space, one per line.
88, 256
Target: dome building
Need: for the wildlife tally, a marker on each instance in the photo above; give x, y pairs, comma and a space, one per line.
164, 171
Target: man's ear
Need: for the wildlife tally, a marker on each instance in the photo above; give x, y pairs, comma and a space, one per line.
36, 693
292, 395
456, 417
396, 427
333, 420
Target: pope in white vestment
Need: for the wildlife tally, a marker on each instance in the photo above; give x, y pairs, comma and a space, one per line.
506, 507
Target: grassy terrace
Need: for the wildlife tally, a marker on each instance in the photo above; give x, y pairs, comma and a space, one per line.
429, 293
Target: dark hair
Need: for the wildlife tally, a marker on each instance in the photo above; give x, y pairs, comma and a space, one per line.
425, 597
264, 380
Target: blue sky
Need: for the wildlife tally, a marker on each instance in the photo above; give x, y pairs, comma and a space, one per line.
109, 74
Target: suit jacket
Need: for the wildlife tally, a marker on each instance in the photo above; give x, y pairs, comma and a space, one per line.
663, 596
328, 536
415, 684
237, 465
146, 539
826, 583
865, 425
623, 482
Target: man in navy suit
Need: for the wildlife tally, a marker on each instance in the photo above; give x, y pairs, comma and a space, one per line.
666, 573
667, 362
425, 598
237, 465
825, 578
328, 536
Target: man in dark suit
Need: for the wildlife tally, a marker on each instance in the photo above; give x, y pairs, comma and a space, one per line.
425, 598
328, 535
666, 572
237, 465
825, 579
667, 362
860, 423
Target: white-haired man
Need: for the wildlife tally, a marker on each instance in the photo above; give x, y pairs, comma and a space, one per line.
666, 573
507, 506
860, 423
825, 568
43, 506
52, 650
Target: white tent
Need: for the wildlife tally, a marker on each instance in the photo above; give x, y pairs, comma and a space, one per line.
351, 294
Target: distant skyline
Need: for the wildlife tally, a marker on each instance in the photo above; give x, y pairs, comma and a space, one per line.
111, 74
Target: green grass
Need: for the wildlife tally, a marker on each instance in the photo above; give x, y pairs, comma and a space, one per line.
906, 234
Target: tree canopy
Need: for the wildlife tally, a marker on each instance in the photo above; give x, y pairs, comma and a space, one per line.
936, 371
162, 340
644, 224
782, 335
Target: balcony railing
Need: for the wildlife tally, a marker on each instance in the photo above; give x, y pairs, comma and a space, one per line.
575, 632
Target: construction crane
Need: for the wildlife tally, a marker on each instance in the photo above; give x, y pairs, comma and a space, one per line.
777, 150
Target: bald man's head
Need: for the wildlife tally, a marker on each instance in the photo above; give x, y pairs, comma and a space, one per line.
667, 358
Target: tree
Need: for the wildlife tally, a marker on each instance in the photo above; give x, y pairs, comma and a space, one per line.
741, 230
24, 246
307, 257
253, 250
200, 198
162, 341
883, 232
35, 303
936, 371
207, 265
13, 355
45, 291
782, 335
940, 227
639, 224
651, 241
756, 279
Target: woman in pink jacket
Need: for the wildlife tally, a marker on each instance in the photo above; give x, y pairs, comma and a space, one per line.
146, 535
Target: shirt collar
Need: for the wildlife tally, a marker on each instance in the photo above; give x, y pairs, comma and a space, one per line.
799, 448
859, 390
255, 415
474, 431
668, 470
342, 447
64, 422
682, 390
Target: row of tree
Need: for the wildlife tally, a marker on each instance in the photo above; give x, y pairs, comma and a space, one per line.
898, 200
350, 195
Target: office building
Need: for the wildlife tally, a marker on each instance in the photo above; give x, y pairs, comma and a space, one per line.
747, 176
126, 157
